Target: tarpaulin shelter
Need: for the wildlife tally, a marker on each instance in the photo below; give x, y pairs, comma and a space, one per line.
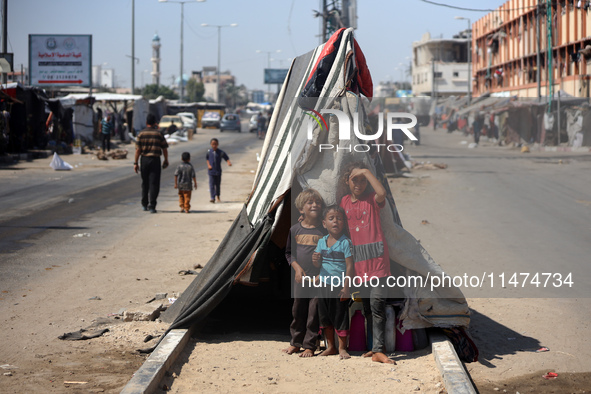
84, 116
250, 255
27, 118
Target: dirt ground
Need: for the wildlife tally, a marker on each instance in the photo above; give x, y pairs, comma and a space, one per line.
143, 258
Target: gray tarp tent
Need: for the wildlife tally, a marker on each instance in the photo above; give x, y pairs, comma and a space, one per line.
250, 253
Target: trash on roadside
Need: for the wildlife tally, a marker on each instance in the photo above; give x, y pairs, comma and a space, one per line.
101, 156
118, 154
550, 375
97, 298
148, 338
540, 350
70, 201
198, 266
81, 235
188, 272
171, 300
58, 164
425, 222
82, 334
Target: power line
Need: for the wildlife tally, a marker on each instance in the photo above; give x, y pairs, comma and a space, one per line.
477, 9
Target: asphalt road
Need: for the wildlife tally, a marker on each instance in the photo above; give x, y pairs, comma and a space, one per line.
532, 214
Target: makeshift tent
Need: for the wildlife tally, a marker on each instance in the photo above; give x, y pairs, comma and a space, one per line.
83, 118
251, 252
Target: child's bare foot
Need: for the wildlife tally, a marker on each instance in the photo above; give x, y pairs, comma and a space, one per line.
329, 351
218, 199
343, 354
291, 350
368, 354
380, 357
307, 353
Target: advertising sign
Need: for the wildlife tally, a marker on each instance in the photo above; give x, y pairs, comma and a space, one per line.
59, 59
275, 75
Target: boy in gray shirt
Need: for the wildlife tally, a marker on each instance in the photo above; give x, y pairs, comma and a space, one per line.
182, 181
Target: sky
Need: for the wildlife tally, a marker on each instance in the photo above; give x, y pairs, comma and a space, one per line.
385, 32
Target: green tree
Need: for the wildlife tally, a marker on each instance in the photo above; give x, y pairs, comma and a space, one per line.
153, 91
234, 96
195, 91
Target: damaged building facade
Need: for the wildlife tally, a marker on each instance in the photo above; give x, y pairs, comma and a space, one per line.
440, 66
511, 54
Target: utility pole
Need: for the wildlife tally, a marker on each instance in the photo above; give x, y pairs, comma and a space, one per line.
132, 46
538, 57
5, 34
433, 78
550, 88
324, 18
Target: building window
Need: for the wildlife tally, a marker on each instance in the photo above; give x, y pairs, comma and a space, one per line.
438, 74
456, 74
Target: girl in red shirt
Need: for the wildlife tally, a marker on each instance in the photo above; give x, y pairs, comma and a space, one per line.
370, 250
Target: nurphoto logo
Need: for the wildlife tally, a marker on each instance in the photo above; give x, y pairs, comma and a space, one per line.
393, 120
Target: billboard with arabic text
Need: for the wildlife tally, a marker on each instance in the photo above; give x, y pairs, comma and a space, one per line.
60, 60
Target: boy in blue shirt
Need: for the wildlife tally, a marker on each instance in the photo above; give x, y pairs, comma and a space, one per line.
214, 159
334, 252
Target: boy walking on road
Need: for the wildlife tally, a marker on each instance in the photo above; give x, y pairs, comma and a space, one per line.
214, 158
182, 181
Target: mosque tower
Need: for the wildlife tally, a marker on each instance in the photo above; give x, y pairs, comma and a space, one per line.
156, 60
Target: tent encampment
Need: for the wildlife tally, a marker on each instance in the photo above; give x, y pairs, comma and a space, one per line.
334, 75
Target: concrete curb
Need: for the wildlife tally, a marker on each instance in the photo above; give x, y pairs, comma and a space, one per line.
148, 377
582, 149
454, 375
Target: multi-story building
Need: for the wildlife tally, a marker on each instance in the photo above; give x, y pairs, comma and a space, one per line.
510, 49
440, 66
21, 76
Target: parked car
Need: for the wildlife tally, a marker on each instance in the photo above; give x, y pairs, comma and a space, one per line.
230, 122
210, 119
253, 123
189, 120
167, 120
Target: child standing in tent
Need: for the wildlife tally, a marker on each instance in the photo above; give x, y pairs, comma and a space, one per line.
301, 242
337, 262
214, 157
370, 250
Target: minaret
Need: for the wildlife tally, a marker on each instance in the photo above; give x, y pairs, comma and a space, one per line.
156, 60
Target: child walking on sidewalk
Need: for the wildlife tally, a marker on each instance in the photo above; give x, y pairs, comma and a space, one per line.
214, 158
182, 181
